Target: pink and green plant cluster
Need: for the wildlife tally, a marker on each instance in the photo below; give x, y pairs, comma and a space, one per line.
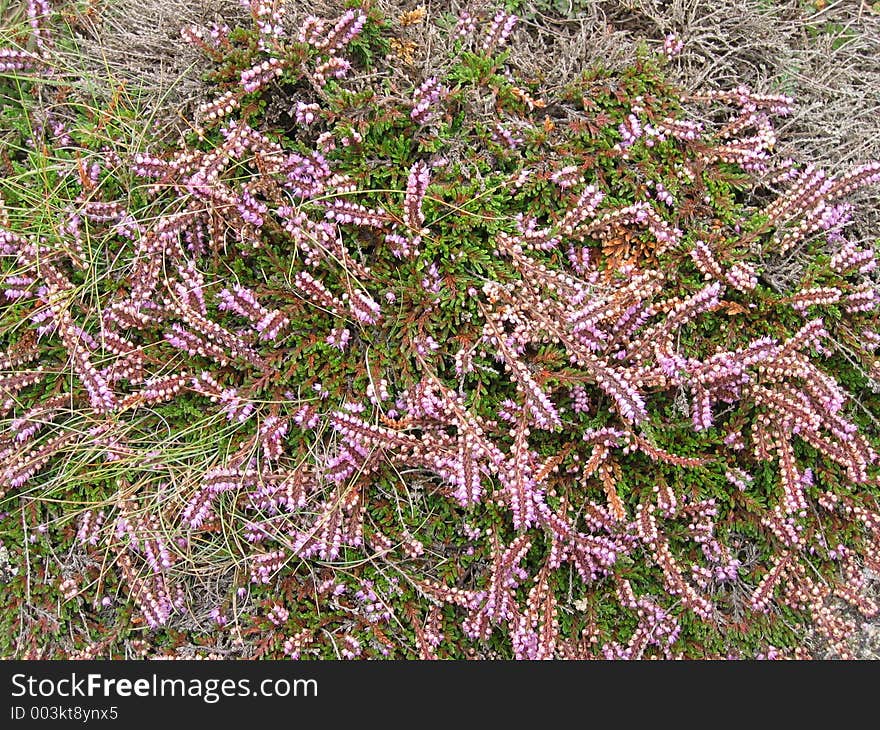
373, 363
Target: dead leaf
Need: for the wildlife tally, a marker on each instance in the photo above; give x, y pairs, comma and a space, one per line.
733, 308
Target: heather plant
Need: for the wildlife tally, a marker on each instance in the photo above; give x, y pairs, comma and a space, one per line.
379, 363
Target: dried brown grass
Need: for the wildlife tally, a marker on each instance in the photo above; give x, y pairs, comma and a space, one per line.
829, 59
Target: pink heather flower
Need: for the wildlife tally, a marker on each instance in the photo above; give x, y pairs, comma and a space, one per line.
630, 130
401, 246
351, 647
18, 286
580, 401
379, 392
345, 212
338, 338
12, 60
363, 307
852, 258
271, 324
294, 645
742, 276
672, 45
211, 36
835, 217
426, 345
522, 177
268, 16
343, 32
311, 30
503, 136
59, 132
306, 417
256, 77
426, 100
416, 186
540, 239
372, 607
863, 299
69, 589
585, 209
306, 113
738, 478
499, 30
464, 361
251, 210
89, 527
471, 532
335, 67
682, 129
216, 31
871, 338
432, 281
567, 177
235, 407
265, 565
272, 433
242, 301
467, 24
509, 410
579, 258
663, 195
326, 142
278, 614
217, 615
24, 428
306, 176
